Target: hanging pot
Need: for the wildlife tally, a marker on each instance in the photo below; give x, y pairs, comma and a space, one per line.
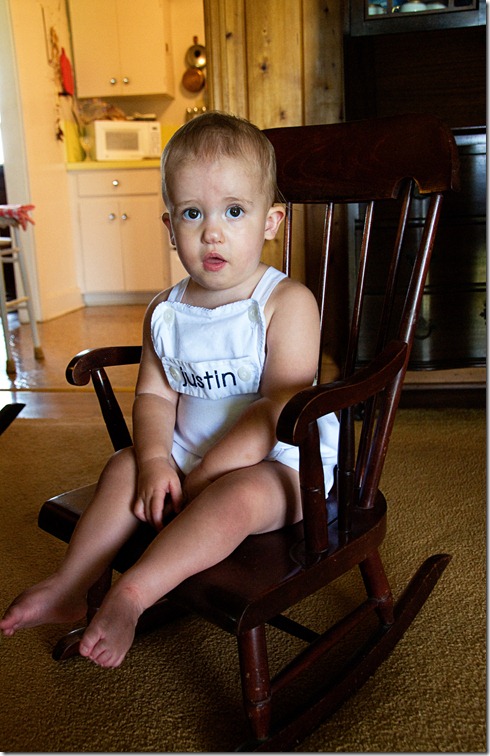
193, 79
196, 55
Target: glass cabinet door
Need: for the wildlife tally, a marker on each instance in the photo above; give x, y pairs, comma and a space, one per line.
383, 7
385, 16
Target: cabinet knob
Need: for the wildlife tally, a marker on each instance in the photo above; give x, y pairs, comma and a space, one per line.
125, 80
124, 216
112, 216
112, 81
115, 182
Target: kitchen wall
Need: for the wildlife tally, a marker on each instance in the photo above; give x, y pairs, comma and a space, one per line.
34, 158
31, 111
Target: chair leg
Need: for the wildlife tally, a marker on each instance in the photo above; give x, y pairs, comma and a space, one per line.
359, 669
97, 593
256, 687
378, 587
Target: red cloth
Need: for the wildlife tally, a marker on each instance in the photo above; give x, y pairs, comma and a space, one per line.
66, 73
17, 213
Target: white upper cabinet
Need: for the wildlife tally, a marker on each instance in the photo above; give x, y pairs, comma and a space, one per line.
121, 47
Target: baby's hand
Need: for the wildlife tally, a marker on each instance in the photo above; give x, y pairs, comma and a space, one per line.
157, 480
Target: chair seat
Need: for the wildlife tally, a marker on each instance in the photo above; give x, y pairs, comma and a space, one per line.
260, 579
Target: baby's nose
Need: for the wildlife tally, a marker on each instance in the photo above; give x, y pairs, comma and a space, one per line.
212, 232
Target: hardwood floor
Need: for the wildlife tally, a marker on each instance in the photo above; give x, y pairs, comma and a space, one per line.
41, 385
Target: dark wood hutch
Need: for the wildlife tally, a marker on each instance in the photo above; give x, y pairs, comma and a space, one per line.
432, 60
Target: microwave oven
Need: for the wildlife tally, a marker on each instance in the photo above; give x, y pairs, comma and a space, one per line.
125, 140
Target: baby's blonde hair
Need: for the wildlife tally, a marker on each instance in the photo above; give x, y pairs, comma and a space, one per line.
214, 135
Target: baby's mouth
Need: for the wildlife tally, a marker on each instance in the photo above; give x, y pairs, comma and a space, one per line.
213, 262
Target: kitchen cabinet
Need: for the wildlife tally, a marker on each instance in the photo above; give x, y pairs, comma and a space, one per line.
431, 61
394, 16
123, 244
120, 48
451, 329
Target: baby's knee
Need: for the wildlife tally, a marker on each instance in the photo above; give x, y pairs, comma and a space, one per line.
122, 461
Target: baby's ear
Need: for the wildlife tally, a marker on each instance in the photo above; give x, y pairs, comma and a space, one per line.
168, 224
275, 217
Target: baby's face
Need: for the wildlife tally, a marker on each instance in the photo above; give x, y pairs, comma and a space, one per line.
219, 219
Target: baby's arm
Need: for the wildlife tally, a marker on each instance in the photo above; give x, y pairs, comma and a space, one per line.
153, 427
293, 338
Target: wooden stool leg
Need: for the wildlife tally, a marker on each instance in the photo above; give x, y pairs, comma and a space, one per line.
5, 324
256, 687
38, 351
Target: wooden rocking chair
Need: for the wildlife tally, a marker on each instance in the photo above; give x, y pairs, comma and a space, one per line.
394, 161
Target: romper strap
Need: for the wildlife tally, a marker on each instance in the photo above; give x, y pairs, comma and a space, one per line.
178, 291
267, 284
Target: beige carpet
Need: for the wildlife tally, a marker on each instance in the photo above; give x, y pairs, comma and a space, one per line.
178, 690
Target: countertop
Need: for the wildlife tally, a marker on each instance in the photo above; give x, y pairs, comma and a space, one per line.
100, 165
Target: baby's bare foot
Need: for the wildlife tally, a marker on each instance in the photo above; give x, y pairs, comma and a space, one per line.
110, 634
44, 603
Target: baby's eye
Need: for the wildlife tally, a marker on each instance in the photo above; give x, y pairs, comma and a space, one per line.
192, 213
235, 211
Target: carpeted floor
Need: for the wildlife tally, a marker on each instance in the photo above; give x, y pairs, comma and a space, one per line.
178, 690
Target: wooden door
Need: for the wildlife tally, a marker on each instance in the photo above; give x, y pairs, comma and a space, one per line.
280, 63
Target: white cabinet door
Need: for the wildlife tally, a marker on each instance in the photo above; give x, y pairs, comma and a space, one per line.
124, 244
95, 47
142, 243
144, 44
101, 245
121, 47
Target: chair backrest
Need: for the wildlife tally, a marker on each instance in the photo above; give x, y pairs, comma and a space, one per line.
380, 168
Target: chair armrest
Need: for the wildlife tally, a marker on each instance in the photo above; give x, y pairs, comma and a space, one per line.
312, 403
90, 366
79, 370
297, 426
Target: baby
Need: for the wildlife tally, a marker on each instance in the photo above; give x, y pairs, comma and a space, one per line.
223, 351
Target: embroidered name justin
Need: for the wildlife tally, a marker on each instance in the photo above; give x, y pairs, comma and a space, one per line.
215, 379
208, 380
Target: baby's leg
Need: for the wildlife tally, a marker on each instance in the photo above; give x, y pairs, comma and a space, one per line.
103, 528
250, 500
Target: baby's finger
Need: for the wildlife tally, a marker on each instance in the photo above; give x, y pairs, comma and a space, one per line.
155, 514
176, 496
139, 510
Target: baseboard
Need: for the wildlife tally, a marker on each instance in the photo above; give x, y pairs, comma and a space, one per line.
94, 299
464, 395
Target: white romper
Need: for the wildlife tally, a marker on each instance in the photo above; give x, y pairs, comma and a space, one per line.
214, 360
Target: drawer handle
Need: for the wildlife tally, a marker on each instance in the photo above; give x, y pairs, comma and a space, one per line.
112, 81
125, 80
112, 216
124, 216
115, 182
